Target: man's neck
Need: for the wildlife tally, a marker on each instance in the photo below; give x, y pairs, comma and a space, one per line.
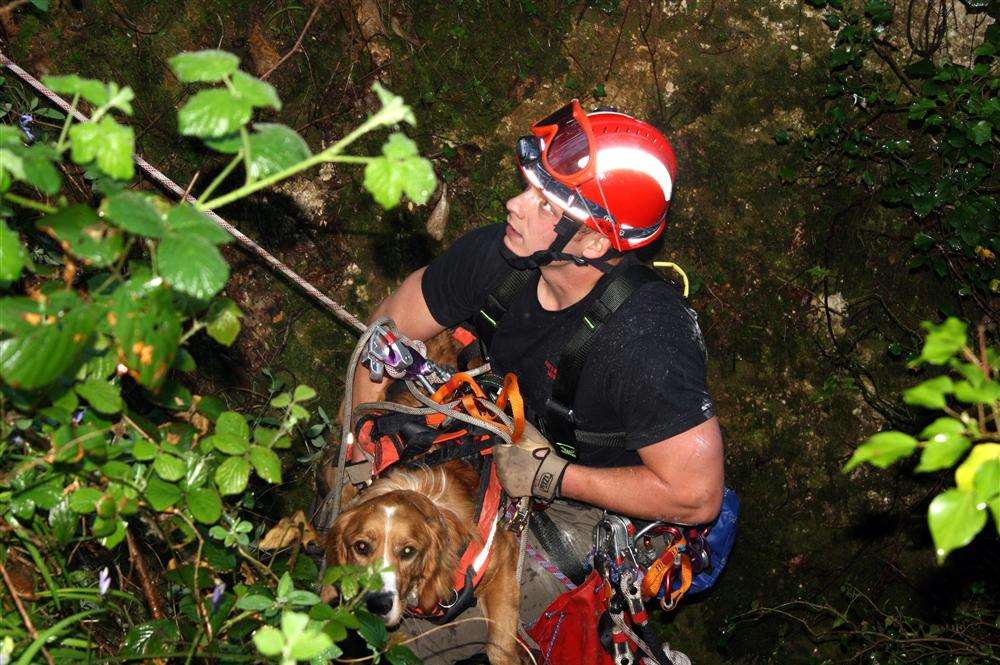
563, 285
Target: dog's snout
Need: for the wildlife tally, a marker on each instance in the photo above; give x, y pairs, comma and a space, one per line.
379, 602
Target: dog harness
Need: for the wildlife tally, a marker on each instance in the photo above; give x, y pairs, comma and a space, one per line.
389, 435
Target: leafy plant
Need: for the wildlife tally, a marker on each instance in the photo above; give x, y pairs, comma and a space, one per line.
102, 447
969, 398
917, 132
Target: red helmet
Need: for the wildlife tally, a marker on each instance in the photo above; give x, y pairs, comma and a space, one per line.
606, 169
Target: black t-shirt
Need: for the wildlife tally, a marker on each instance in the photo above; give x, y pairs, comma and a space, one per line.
645, 375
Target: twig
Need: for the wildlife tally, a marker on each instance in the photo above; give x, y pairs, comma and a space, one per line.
20, 608
148, 588
621, 28
298, 42
194, 179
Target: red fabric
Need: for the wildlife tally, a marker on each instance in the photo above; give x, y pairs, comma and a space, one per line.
463, 336
566, 631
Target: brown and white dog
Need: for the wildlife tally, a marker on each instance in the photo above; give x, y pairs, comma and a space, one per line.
416, 522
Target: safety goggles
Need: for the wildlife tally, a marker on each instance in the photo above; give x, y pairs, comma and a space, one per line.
568, 149
530, 159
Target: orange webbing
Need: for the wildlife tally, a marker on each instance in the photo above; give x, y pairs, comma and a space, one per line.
510, 395
686, 576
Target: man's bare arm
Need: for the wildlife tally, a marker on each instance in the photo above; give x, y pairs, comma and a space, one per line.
680, 479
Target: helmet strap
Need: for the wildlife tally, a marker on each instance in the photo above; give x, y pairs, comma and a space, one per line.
565, 229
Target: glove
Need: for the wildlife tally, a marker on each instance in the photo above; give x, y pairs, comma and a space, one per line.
530, 468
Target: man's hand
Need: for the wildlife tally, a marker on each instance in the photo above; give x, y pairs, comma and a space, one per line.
531, 468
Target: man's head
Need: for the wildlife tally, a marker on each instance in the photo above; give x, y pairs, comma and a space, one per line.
531, 227
605, 171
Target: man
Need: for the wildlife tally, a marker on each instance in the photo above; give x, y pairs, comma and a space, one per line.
636, 432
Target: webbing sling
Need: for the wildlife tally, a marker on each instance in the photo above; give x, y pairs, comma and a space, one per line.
488, 318
560, 421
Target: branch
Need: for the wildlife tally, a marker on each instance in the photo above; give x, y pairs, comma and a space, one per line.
298, 42
20, 608
148, 589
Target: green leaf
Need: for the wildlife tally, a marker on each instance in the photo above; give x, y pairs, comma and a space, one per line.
92, 90
102, 395
81, 233
192, 266
255, 91
185, 220
232, 475
161, 494
45, 494
303, 393
267, 463
84, 500
981, 132
300, 597
134, 213
205, 505
373, 630
954, 520
230, 422
39, 169
293, 624
942, 451
12, 254
987, 393
394, 110
169, 467
285, 585
203, 66
213, 113
107, 142
230, 444
39, 357
986, 483
930, 394
921, 69
224, 321
147, 330
63, 522
943, 426
269, 641
401, 654
309, 645
144, 450
275, 147
120, 98
281, 400
882, 450
254, 603
943, 341
401, 169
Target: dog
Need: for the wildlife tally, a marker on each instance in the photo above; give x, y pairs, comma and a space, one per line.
415, 522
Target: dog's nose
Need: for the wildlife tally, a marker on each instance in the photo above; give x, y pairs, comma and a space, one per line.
379, 602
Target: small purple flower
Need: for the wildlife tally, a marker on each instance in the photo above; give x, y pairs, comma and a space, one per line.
104, 581
217, 592
25, 120
78, 415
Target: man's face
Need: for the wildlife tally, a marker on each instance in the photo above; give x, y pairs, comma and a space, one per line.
531, 222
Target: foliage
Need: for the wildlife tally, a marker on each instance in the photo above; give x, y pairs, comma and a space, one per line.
853, 628
969, 397
918, 136
102, 447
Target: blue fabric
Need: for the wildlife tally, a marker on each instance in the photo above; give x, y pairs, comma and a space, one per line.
720, 541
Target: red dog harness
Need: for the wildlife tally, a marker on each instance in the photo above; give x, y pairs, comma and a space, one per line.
388, 438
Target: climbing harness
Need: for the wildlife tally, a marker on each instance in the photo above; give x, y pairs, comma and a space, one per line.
242, 240
458, 421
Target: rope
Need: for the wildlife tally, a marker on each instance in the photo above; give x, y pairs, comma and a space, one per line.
166, 183
549, 567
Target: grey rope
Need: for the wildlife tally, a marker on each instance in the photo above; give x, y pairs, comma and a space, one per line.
245, 243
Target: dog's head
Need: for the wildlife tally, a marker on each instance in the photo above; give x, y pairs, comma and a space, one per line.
408, 534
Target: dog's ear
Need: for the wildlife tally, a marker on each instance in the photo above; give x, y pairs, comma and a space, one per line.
336, 546
448, 535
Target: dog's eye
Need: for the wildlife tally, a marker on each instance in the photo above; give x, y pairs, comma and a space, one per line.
408, 552
361, 547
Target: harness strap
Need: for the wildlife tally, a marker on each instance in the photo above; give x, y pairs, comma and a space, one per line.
560, 419
495, 307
